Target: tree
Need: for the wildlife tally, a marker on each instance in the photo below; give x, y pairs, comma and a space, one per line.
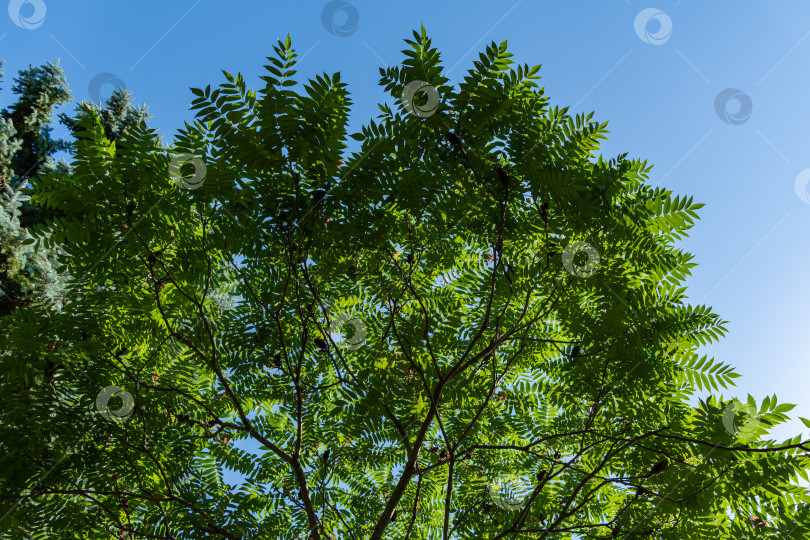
26, 150
28, 274
470, 327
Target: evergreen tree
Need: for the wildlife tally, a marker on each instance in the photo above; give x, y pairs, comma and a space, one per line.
118, 115
28, 272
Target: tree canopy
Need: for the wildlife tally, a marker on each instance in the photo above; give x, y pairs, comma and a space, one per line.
467, 323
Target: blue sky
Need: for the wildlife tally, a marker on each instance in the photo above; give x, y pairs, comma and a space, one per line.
656, 83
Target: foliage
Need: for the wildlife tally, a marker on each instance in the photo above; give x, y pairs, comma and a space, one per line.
118, 115
28, 274
388, 348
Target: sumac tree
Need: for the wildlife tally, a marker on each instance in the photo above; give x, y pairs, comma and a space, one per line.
464, 324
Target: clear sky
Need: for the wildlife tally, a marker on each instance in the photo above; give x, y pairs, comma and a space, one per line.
656, 83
